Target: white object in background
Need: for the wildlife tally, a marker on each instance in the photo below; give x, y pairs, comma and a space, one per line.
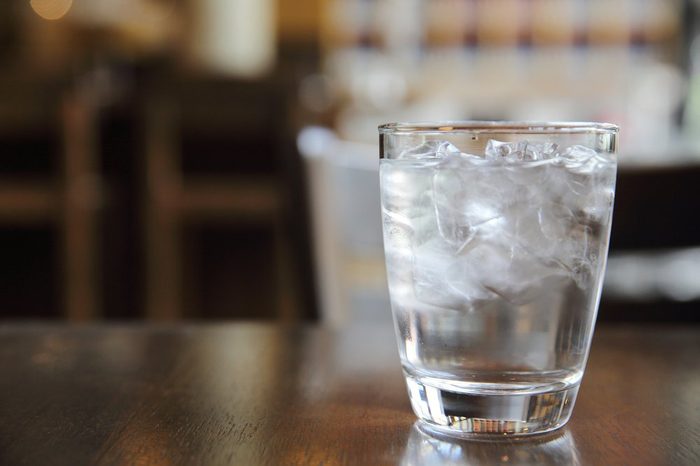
346, 226
399, 24
654, 94
235, 37
691, 123
644, 276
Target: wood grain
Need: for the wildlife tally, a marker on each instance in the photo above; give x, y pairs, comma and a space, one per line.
255, 394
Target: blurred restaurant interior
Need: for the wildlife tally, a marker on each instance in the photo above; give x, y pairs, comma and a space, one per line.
217, 159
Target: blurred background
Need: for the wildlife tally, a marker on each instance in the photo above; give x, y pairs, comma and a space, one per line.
214, 159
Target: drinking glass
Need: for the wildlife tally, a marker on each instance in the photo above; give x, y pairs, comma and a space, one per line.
495, 239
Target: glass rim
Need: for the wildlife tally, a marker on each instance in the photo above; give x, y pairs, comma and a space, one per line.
496, 127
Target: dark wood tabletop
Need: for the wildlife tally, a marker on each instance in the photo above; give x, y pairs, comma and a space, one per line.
259, 394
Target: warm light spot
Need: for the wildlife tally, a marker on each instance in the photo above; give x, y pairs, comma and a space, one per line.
51, 9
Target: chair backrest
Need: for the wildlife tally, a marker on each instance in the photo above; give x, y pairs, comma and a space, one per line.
346, 226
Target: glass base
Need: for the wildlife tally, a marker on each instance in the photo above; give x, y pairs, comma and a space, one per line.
476, 414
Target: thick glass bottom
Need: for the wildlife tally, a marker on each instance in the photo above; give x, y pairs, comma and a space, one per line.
490, 413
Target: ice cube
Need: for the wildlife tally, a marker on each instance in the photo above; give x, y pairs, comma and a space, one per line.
525, 180
423, 227
429, 149
497, 150
544, 223
539, 229
447, 149
398, 249
562, 239
520, 151
509, 271
598, 205
425, 150
583, 181
577, 255
548, 150
406, 188
440, 279
465, 199
582, 159
488, 266
540, 151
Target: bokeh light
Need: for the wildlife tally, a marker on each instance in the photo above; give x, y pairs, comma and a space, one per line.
51, 9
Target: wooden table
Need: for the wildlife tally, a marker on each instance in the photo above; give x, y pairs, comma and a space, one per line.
256, 394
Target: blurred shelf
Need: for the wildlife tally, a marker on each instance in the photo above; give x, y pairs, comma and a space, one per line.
505, 22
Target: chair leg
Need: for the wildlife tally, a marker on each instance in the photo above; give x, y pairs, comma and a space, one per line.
81, 201
162, 192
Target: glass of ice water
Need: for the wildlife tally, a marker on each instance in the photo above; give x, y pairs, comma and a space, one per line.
496, 237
